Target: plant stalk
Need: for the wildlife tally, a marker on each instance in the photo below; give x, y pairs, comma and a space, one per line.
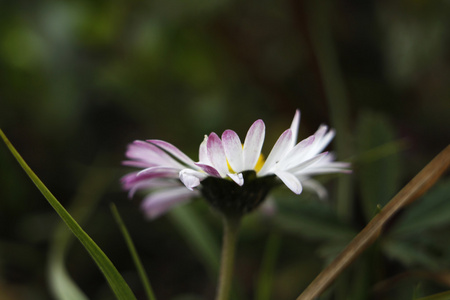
230, 235
424, 180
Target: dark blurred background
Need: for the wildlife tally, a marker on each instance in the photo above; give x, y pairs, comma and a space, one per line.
80, 79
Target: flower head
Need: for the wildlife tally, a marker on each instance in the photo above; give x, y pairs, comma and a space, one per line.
233, 176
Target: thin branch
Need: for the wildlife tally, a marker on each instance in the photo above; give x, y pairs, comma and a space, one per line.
414, 189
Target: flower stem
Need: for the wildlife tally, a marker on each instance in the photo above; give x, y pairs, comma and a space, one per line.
230, 234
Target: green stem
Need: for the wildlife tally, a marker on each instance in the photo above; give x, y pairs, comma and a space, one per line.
137, 260
230, 234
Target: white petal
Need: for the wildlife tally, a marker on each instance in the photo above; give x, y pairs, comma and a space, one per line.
277, 153
203, 152
132, 183
160, 202
294, 127
177, 153
216, 154
290, 181
238, 178
322, 170
233, 149
324, 141
308, 163
136, 164
154, 172
144, 154
316, 187
208, 169
320, 132
298, 154
253, 144
191, 178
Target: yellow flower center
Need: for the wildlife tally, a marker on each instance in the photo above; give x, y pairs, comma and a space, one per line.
257, 168
260, 163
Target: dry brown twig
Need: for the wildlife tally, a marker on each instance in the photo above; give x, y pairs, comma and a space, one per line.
424, 180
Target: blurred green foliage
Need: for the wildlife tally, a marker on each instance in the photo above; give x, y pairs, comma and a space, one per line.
80, 79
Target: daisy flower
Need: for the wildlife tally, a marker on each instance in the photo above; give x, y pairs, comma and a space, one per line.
232, 176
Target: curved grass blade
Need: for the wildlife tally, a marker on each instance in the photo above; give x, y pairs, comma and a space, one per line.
88, 195
137, 261
115, 280
61, 283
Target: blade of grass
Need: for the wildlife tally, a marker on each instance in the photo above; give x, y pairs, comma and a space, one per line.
115, 280
61, 284
414, 189
89, 193
137, 261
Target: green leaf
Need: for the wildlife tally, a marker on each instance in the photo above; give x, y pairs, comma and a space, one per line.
137, 261
379, 179
312, 219
410, 254
115, 280
307, 225
432, 211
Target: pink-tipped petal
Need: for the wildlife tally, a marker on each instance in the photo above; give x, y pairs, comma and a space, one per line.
294, 127
318, 145
290, 181
216, 154
322, 170
208, 169
233, 150
277, 153
136, 164
298, 169
203, 152
133, 183
298, 153
324, 141
160, 202
238, 178
320, 132
148, 155
300, 147
315, 186
128, 181
158, 172
177, 153
191, 178
341, 165
253, 144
